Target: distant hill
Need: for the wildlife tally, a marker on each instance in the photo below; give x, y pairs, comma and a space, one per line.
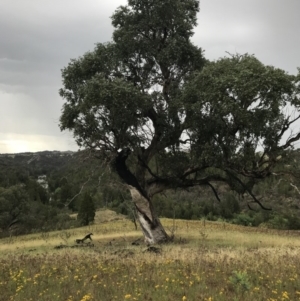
59, 179
17, 168
42, 161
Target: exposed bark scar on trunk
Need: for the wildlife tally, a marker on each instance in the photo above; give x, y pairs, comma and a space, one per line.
141, 204
150, 224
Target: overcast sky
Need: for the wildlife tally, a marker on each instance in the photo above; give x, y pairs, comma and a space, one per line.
39, 37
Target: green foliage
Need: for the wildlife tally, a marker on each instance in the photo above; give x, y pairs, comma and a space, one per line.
198, 203
240, 281
293, 221
13, 206
243, 219
278, 222
235, 103
36, 192
19, 214
87, 210
229, 206
184, 121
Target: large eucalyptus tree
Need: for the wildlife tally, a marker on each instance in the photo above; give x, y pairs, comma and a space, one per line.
150, 96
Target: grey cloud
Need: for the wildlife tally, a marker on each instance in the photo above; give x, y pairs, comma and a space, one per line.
266, 28
29, 115
39, 37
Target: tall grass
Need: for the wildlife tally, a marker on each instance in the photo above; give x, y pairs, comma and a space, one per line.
207, 261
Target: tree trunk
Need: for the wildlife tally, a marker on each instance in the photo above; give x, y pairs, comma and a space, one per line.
153, 230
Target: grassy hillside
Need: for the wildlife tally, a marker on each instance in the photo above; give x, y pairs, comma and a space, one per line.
207, 261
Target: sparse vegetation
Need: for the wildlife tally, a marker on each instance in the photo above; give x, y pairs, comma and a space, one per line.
207, 261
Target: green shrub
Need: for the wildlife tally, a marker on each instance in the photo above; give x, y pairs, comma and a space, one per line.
240, 281
243, 219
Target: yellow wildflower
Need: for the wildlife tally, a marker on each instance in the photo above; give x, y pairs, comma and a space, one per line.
86, 297
285, 295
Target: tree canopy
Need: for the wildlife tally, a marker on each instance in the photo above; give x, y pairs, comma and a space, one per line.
168, 118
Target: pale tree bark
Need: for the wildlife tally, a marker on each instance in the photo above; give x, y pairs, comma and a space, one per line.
153, 231
151, 226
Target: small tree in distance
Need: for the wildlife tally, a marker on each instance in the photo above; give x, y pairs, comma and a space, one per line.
149, 95
87, 210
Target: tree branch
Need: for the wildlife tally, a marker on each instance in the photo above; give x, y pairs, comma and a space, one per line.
247, 189
214, 191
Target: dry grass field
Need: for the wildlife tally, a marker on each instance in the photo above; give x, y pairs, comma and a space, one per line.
207, 261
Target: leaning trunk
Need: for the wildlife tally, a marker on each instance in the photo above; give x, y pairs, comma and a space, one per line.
153, 230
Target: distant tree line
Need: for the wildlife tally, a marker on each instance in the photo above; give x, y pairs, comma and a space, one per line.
74, 186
